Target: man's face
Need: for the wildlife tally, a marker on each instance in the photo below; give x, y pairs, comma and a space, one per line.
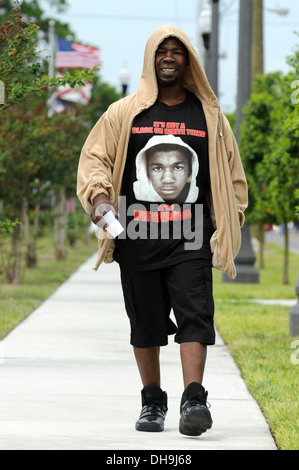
171, 62
169, 173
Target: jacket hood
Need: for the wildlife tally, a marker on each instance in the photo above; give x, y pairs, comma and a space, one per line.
195, 79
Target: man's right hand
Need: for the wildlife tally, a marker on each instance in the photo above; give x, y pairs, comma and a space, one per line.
101, 206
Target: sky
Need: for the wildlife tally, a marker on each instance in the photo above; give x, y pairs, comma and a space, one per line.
121, 29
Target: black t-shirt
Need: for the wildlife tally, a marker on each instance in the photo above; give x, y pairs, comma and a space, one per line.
166, 178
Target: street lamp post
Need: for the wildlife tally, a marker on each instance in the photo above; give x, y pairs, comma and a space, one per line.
208, 24
124, 77
205, 29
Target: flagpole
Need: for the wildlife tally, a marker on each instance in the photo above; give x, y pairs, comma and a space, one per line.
52, 48
52, 67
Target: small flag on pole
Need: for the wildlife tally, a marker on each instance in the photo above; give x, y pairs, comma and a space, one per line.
72, 55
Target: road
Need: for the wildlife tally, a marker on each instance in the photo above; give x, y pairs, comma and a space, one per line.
274, 236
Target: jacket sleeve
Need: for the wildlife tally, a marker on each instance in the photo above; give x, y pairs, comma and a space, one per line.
96, 163
238, 177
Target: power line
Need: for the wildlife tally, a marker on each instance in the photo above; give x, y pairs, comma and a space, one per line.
268, 23
128, 18
168, 20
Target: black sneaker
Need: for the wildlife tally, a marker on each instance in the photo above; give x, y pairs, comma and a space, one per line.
195, 416
154, 409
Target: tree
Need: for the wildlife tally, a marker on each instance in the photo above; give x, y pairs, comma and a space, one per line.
254, 145
269, 146
103, 95
39, 152
32, 11
24, 77
21, 69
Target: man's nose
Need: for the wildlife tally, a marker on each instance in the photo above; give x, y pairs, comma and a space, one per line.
167, 176
169, 57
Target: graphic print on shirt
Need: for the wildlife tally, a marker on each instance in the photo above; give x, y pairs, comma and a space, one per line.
166, 180
166, 171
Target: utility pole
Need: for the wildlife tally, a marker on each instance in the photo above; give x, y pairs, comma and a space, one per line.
258, 38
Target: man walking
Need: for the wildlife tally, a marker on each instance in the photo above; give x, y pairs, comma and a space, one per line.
195, 163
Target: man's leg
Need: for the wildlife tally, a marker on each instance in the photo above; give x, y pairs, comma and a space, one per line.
148, 361
193, 358
154, 400
148, 307
195, 415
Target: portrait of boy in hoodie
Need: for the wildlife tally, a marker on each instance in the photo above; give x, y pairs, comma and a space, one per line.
160, 276
166, 170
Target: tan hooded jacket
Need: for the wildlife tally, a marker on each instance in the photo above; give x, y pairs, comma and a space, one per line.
104, 154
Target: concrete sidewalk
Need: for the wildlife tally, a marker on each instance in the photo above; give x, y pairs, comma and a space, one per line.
69, 380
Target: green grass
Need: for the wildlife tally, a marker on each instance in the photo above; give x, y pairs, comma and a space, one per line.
18, 301
258, 338
270, 286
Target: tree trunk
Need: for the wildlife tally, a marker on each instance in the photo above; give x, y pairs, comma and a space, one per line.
261, 245
60, 223
285, 279
32, 253
14, 273
30, 233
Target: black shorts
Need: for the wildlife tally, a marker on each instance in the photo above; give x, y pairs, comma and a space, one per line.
149, 296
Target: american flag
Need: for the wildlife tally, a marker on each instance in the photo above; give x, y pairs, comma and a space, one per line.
72, 55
